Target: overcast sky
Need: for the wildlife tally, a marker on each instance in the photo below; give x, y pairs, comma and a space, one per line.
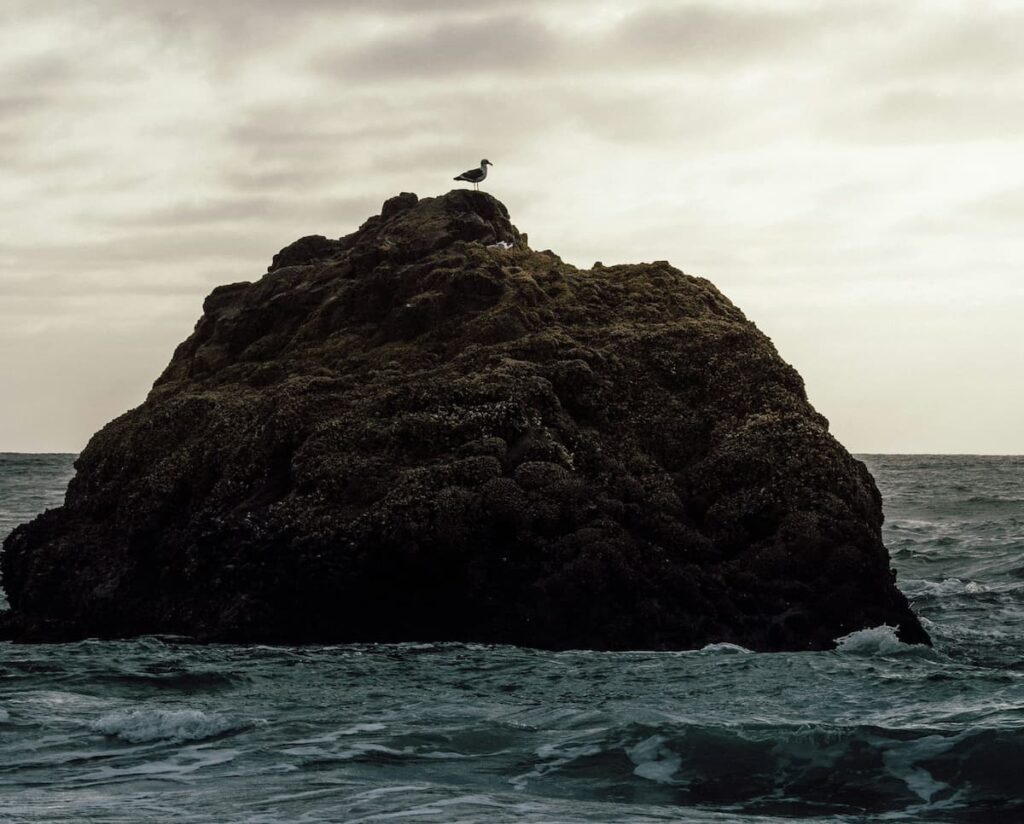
850, 174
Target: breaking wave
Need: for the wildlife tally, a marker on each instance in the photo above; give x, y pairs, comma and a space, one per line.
146, 724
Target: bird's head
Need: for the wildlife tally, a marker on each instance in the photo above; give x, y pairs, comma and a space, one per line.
485, 163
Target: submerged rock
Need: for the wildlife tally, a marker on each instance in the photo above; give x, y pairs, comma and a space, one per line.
406, 435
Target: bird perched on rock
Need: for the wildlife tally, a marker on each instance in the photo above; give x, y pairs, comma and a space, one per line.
476, 176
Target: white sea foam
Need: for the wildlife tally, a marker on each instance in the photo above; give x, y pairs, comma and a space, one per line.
654, 761
356, 729
332, 736
181, 764
146, 724
879, 640
555, 756
944, 587
726, 649
902, 760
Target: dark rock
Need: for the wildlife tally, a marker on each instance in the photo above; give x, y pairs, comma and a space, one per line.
397, 204
405, 435
304, 250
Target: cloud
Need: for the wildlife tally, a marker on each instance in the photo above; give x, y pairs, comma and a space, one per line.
235, 211
13, 107
804, 155
950, 46
546, 42
737, 36
1000, 207
505, 43
697, 33
921, 115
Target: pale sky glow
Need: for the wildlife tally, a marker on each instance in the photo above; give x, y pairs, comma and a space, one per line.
850, 174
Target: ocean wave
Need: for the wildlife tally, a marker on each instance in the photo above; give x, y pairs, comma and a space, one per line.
754, 768
146, 724
917, 588
881, 640
963, 589
725, 649
190, 682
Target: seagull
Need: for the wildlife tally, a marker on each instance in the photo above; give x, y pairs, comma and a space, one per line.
475, 176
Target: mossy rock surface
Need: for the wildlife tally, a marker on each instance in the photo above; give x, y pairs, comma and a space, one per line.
406, 434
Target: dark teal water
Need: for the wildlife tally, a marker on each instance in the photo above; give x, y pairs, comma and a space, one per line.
155, 730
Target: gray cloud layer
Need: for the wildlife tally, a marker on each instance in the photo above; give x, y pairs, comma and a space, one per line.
848, 173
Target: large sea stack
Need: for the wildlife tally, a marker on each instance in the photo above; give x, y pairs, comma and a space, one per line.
428, 431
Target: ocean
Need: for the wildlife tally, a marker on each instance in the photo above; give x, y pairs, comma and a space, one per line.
157, 729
